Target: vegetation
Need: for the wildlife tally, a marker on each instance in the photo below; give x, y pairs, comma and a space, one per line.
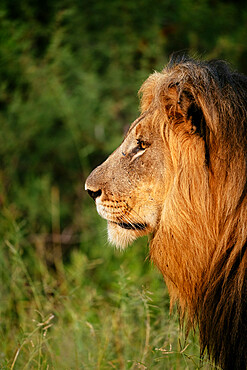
69, 75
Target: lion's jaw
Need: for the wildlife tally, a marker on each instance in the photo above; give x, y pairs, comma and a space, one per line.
123, 186
124, 223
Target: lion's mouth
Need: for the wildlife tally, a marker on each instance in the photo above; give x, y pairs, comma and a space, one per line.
128, 226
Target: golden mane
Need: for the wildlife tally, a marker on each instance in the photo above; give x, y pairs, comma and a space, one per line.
200, 244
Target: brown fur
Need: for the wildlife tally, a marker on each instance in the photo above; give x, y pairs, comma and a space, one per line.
194, 122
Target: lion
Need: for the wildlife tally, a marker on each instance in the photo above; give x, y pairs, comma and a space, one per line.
180, 175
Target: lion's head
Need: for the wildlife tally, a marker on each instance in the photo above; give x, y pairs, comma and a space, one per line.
180, 175
129, 186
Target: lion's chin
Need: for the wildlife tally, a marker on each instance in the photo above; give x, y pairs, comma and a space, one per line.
121, 236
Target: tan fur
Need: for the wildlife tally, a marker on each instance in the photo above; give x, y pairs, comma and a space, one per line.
187, 187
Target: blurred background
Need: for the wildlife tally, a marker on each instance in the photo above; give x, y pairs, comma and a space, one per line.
69, 75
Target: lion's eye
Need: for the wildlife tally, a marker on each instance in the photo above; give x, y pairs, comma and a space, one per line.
141, 144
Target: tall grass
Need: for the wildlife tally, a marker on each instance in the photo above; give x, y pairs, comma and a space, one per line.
110, 311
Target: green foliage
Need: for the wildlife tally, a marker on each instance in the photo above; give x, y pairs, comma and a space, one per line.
63, 320
69, 75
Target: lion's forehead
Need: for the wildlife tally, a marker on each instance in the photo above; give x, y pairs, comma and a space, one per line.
143, 126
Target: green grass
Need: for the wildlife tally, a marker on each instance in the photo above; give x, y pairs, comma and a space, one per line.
98, 309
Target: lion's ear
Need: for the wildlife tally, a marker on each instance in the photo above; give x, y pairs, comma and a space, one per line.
181, 107
185, 114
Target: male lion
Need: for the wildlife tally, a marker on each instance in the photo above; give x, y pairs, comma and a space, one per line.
181, 175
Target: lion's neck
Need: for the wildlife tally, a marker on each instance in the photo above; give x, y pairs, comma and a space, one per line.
209, 282
182, 264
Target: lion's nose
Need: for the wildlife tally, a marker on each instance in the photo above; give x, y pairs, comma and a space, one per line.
94, 183
94, 194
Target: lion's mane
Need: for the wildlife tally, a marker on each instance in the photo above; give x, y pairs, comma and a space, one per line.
200, 245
